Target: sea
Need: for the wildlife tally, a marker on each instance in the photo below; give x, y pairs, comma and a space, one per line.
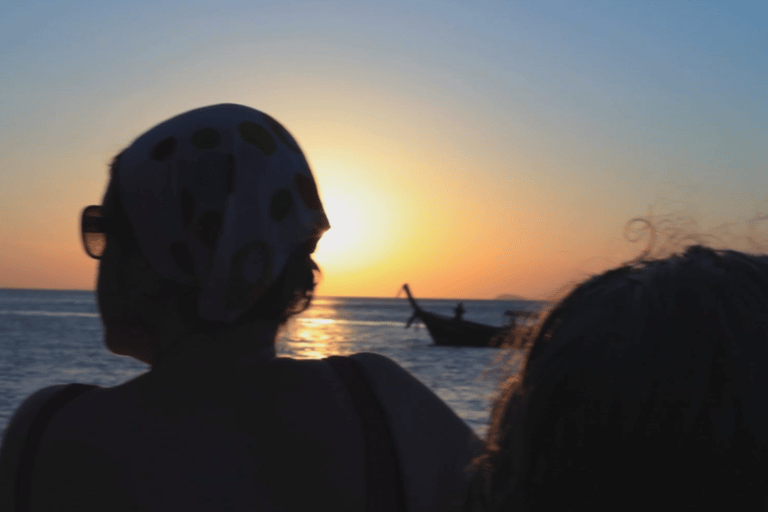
52, 337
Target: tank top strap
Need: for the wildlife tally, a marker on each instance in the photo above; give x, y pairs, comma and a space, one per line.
384, 482
35, 434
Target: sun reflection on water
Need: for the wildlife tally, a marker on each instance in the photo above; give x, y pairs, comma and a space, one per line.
316, 333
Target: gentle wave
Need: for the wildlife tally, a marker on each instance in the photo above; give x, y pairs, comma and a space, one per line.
323, 321
311, 321
45, 300
48, 313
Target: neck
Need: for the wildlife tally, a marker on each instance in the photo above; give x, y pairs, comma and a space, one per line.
255, 340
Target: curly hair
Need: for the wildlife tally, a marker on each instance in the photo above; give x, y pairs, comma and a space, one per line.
645, 387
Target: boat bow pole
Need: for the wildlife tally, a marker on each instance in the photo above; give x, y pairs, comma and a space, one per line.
416, 309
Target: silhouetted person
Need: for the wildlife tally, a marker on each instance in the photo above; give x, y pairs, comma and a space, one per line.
205, 238
644, 389
459, 311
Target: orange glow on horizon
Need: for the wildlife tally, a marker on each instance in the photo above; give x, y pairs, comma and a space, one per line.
469, 152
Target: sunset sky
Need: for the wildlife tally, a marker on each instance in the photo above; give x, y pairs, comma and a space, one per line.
467, 148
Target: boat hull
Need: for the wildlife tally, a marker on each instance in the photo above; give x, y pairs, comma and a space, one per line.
450, 332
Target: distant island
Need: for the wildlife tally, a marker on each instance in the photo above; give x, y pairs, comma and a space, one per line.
507, 296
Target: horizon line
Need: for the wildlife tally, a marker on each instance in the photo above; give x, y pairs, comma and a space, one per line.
518, 298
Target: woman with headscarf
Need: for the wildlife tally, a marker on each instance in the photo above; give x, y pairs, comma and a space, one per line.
205, 238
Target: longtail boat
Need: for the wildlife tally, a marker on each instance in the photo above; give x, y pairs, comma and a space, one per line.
456, 332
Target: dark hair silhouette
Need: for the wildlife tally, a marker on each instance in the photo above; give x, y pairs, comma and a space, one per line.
645, 388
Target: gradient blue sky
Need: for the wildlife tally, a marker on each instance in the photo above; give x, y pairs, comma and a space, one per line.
470, 150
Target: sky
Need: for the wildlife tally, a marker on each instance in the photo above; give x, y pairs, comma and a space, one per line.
470, 149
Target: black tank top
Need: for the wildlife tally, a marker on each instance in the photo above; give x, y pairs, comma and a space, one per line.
384, 483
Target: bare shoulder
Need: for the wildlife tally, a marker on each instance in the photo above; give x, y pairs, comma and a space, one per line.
434, 445
14, 436
401, 392
17, 428
377, 365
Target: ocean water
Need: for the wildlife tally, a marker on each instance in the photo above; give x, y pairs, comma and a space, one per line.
55, 337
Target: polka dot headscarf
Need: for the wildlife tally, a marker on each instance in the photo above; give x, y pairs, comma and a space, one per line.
219, 198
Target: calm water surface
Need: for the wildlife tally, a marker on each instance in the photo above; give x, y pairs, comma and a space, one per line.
55, 337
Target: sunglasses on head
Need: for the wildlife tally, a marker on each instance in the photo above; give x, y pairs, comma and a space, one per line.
94, 228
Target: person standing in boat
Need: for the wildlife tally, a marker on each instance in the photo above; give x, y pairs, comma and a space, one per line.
458, 311
205, 238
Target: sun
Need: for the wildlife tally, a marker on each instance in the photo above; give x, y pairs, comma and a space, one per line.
361, 222
338, 243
